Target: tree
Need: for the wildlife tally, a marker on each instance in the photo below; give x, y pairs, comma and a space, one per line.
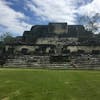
6, 37
92, 23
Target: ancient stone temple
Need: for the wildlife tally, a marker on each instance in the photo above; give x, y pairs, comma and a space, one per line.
55, 43
61, 30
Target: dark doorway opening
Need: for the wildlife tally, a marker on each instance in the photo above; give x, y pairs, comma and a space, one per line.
24, 51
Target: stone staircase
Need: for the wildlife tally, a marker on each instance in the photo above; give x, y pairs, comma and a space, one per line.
87, 62
77, 62
35, 62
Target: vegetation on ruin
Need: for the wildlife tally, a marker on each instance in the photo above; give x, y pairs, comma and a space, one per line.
33, 84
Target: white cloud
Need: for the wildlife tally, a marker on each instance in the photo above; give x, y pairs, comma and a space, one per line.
12, 20
47, 10
62, 10
90, 9
56, 10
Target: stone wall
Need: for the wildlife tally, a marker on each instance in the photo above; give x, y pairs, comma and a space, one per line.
45, 49
58, 28
87, 49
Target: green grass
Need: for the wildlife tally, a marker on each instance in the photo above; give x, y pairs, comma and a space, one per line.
36, 84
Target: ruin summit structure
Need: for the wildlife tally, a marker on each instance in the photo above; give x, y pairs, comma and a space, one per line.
55, 43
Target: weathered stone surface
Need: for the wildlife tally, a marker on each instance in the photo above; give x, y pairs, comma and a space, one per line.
56, 45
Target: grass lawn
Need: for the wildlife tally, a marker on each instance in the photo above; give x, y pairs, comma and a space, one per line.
37, 84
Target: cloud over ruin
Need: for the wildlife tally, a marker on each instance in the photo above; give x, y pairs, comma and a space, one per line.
17, 20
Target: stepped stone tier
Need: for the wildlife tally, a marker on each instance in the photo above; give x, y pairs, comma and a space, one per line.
56, 30
55, 44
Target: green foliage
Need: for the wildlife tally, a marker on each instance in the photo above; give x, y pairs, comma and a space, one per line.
91, 22
33, 84
6, 37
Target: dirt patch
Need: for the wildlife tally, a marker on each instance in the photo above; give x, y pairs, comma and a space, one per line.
5, 98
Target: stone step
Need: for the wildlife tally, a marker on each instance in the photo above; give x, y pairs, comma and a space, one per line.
82, 65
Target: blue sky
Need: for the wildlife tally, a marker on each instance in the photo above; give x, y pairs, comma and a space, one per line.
16, 16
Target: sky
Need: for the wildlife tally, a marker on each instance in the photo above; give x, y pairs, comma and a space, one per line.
17, 16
